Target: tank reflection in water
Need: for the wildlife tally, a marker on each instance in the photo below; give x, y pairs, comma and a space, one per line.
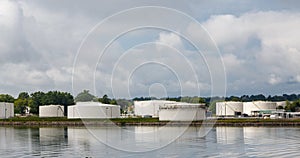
220, 142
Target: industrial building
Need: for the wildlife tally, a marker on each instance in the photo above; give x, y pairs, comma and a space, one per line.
182, 112
256, 108
93, 110
229, 108
51, 111
6, 110
149, 107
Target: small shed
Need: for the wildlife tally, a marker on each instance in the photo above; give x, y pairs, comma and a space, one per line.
51, 111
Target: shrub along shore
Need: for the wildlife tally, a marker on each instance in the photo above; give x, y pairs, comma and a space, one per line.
36, 121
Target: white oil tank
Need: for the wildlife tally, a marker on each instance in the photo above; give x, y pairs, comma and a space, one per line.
149, 107
51, 111
251, 107
182, 112
228, 108
281, 103
93, 110
6, 110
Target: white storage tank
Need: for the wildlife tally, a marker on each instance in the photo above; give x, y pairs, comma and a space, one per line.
281, 103
149, 107
182, 112
250, 108
6, 110
93, 110
229, 108
51, 111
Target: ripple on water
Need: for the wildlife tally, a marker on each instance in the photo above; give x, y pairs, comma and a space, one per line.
220, 142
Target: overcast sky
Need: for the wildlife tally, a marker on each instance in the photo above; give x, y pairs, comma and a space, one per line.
58, 45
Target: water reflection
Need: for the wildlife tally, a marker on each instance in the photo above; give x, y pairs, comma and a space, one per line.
79, 142
230, 135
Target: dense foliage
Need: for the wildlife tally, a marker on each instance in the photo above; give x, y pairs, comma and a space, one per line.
36, 99
85, 96
6, 98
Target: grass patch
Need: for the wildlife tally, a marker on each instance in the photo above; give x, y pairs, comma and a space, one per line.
255, 120
38, 119
134, 120
139, 120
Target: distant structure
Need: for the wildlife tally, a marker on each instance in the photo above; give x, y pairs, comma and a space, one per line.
229, 108
51, 111
182, 112
93, 110
255, 108
149, 108
6, 110
281, 104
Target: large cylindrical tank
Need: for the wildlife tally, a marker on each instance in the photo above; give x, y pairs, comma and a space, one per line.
251, 107
6, 110
51, 111
229, 108
93, 110
182, 112
149, 107
281, 104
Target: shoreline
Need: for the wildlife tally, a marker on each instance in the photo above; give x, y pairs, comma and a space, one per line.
106, 123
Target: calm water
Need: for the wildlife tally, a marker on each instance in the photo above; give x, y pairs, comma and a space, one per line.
105, 142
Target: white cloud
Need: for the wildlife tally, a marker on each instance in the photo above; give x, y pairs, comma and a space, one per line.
39, 41
170, 39
273, 79
258, 43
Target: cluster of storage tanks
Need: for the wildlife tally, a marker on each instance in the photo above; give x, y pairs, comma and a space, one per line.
170, 110
165, 110
83, 110
253, 108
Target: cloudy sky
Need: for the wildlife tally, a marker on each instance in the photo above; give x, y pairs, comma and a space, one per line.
125, 49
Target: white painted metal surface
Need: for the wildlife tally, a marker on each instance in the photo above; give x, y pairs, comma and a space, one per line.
281, 103
249, 107
6, 110
149, 107
93, 110
228, 108
51, 111
182, 112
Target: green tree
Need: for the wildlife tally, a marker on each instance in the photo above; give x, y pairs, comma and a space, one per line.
280, 107
6, 98
84, 96
104, 99
23, 95
293, 107
20, 105
37, 99
52, 97
113, 101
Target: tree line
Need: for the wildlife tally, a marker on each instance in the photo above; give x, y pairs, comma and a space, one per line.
36, 99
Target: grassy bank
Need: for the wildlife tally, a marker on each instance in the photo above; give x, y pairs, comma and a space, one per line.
63, 121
